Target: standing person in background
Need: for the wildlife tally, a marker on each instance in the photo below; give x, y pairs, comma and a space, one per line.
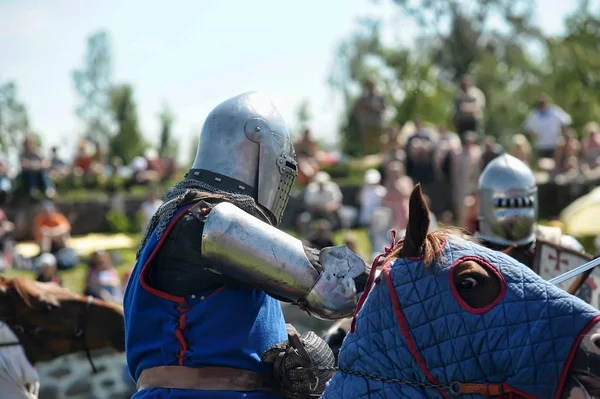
469, 106
568, 148
58, 168
371, 196
465, 172
520, 148
306, 152
545, 124
34, 170
420, 157
491, 151
370, 109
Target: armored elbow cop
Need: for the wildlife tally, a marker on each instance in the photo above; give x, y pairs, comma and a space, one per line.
263, 256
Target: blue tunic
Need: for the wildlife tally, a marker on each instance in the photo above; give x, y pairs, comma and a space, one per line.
229, 327
414, 328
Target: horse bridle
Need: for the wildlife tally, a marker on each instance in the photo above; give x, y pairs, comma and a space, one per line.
77, 336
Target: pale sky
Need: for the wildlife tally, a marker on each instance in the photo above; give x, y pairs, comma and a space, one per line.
192, 54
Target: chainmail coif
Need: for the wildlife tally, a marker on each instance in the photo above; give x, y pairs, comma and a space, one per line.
173, 201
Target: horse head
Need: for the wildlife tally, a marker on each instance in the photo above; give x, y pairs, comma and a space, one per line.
449, 317
51, 321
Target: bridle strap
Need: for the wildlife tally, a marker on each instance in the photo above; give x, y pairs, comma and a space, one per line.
81, 334
460, 388
5, 344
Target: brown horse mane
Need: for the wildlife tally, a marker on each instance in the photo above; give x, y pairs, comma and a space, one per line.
29, 291
434, 244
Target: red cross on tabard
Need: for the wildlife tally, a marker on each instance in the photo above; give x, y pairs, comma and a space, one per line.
558, 260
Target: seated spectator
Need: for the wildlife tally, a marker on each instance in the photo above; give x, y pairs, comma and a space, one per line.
393, 171
397, 199
567, 148
470, 214
58, 168
46, 266
491, 150
371, 196
114, 176
34, 170
51, 229
155, 164
170, 170
520, 148
6, 185
323, 198
144, 170
322, 238
7, 242
103, 280
591, 146
83, 160
306, 152
150, 206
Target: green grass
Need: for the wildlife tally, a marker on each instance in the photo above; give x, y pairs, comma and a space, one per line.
74, 279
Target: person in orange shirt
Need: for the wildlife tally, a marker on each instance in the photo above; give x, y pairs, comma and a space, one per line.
51, 229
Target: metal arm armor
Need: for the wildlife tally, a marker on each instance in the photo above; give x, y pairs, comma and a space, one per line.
261, 255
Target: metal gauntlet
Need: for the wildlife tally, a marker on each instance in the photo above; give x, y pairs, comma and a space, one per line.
258, 254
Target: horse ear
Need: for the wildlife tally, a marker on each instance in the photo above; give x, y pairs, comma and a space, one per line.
418, 225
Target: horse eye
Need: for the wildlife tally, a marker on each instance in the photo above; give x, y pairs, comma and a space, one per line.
467, 283
49, 307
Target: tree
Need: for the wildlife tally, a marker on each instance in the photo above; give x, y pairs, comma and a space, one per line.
14, 121
303, 115
128, 141
166, 146
93, 83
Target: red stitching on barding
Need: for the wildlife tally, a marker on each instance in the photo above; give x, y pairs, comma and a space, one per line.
405, 330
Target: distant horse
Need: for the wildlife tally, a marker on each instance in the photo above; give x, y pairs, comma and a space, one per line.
449, 317
43, 321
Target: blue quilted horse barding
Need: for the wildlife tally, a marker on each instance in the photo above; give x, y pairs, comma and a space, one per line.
416, 338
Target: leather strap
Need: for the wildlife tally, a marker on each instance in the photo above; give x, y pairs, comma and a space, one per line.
202, 379
480, 389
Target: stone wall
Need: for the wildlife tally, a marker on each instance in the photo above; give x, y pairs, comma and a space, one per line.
70, 377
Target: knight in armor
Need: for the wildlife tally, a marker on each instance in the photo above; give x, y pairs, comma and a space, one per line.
508, 212
202, 311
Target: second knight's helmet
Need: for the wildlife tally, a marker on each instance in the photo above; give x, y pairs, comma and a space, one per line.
245, 148
508, 202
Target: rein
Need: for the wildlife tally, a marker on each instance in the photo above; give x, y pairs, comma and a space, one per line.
78, 336
454, 388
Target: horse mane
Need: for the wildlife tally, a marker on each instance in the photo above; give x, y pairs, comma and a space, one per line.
434, 244
29, 291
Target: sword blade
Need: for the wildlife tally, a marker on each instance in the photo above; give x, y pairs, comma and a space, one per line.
575, 272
